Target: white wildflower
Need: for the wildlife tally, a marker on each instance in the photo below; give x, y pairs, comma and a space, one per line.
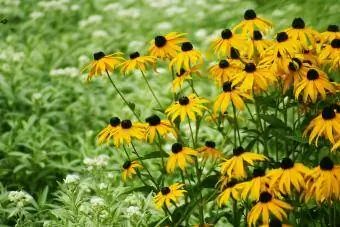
71, 179
133, 210
97, 202
99, 34
36, 14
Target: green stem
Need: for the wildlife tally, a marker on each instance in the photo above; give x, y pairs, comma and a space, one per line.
161, 153
236, 125
152, 92
192, 134
235, 214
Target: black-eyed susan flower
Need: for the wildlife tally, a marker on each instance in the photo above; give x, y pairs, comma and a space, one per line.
136, 62
235, 166
289, 175
331, 33
266, 206
254, 77
157, 126
127, 131
314, 83
187, 58
327, 124
258, 45
109, 131
295, 70
231, 94
182, 76
129, 169
187, 106
222, 46
167, 46
331, 54
255, 186
251, 22
310, 57
209, 151
326, 180
168, 194
275, 223
231, 191
103, 63
304, 35
180, 156
223, 71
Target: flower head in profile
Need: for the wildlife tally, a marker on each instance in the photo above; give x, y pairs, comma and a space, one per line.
129, 169
331, 33
187, 58
267, 205
258, 45
223, 70
255, 186
331, 54
182, 76
208, 151
231, 94
167, 46
168, 194
235, 166
230, 191
251, 22
180, 156
127, 131
159, 127
222, 46
187, 106
137, 62
109, 131
103, 63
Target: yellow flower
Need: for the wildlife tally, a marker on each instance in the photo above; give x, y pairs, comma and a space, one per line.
331, 54
255, 186
326, 124
157, 126
167, 46
310, 57
301, 33
234, 167
275, 223
180, 156
186, 59
103, 63
295, 70
222, 46
186, 106
267, 205
136, 62
128, 130
209, 151
168, 194
231, 190
251, 22
222, 71
182, 76
129, 169
316, 82
109, 131
258, 44
254, 77
289, 174
326, 180
230, 94
331, 33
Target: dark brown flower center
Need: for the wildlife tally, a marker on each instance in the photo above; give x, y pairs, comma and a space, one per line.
187, 46
226, 34
257, 35
227, 86
115, 121
210, 144
231, 183
287, 163
333, 28
160, 41
165, 190
183, 101
250, 67
265, 197
275, 223
312, 74
134, 55
176, 148
238, 151
249, 14
335, 43
153, 120
223, 64
326, 164
258, 172
298, 23
98, 55
126, 124
281, 37
295, 64
234, 53
126, 165
181, 72
328, 113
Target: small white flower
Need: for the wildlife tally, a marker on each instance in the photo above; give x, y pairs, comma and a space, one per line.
75, 7
133, 210
102, 186
110, 175
35, 15
97, 201
99, 34
71, 179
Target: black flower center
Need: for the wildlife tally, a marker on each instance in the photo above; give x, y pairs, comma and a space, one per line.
250, 67
98, 55
183, 101
181, 72
333, 28
223, 64
287, 163
328, 113
234, 53
275, 223
335, 43
281, 37
231, 183
306, 51
187, 46
226, 34
210, 144
126, 124
126, 165
298, 23
258, 172
115, 121
265, 197
165, 190
312, 74
257, 35
238, 151
249, 14
227, 86
295, 64
176, 148
134, 55
153, 120
160, 41
326, 164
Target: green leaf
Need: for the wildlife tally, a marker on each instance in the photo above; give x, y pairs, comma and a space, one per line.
274, 121
145, 189
155, 154
210, 181
132, 105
